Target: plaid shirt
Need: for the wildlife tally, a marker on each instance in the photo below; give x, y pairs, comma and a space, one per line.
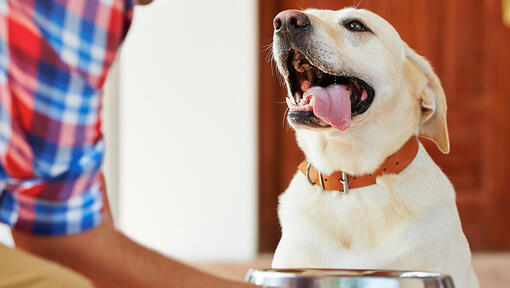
54, 57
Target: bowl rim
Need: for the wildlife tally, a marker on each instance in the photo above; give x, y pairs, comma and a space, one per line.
345, 273
313, 277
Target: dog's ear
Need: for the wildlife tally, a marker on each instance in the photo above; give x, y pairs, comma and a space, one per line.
433, 103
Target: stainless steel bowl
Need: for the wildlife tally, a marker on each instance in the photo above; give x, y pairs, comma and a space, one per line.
331, 278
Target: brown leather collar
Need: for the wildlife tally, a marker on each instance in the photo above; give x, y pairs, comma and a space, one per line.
341, 181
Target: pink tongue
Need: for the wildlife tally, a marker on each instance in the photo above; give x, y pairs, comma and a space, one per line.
332, 105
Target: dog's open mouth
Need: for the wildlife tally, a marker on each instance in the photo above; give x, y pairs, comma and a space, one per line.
321, 99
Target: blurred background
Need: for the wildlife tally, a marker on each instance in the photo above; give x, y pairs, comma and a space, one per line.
198, 150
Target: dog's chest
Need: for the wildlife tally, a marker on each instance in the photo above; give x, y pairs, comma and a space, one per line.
377, 225
363, 217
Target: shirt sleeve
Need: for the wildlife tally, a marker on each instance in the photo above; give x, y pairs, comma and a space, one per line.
54, 57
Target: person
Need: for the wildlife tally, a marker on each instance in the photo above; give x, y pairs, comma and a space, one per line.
54, 58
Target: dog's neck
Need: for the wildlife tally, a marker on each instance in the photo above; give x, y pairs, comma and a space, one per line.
353, 156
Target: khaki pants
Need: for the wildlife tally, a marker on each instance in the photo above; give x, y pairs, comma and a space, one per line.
20, 269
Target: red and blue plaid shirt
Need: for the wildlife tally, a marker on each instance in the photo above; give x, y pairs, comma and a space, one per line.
54, 57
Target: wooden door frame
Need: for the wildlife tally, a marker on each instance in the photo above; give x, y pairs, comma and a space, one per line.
268, 137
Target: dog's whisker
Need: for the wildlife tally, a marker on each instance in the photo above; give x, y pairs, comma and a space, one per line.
268, 46
270, 56
356, 5
285, 117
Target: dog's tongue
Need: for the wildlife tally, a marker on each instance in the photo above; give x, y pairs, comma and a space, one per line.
332, 105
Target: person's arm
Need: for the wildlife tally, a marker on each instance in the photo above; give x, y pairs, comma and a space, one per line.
110, 259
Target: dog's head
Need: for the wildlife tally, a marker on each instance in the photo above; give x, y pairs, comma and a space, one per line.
353, 84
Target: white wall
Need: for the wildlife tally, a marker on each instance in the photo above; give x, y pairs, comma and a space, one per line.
111, 133
188, 129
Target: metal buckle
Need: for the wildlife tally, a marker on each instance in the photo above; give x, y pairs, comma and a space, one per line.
308, 173
308, 176
321, 181
344, 182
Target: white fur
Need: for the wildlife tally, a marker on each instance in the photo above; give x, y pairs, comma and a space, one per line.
407, 221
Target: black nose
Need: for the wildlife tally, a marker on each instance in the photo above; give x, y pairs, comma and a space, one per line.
291, 20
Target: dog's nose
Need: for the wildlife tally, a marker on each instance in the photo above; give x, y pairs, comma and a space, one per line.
291, 20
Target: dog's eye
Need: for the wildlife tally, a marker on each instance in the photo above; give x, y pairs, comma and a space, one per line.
356, 26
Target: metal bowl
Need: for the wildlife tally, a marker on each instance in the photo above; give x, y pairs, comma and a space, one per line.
333, 278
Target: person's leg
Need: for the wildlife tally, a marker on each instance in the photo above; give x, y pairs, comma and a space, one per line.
20, 269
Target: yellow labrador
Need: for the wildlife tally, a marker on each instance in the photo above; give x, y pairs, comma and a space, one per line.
357, 93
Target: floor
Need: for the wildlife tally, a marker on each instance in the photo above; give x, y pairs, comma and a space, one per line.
493, 269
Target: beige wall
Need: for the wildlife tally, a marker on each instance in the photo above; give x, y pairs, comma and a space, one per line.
188, 129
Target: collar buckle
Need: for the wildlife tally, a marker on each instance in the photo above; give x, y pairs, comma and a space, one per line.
308, 176
344, 182
308, 173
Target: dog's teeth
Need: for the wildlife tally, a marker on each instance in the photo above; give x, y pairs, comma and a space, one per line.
301, 67
297, 97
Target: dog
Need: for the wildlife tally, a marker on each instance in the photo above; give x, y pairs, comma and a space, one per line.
358, 96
